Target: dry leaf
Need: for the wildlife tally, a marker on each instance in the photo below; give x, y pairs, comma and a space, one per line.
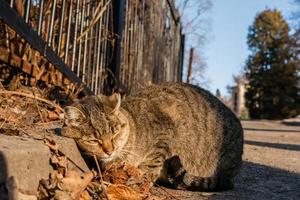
131, 170
51, 144
127, 174
120, 173
75, 183
52, 115
60, 161
85, 196
122, 192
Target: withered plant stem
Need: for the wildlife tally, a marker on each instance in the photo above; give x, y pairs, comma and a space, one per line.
100, 174
32, 97
98, 168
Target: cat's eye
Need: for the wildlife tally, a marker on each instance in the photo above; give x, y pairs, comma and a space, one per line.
93, 141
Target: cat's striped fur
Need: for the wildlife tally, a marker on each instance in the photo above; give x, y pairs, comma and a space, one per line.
179, 132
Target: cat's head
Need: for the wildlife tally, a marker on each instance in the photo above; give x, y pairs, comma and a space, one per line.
97, 125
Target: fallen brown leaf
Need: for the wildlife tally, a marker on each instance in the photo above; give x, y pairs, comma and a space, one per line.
51, 144
52, 115
120, 173
85, 196
129, 175
122, 192
60, 161
75, 183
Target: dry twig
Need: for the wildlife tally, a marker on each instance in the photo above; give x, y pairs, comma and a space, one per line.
95, 19
33, 97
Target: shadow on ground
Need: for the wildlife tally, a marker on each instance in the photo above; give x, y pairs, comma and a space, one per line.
293, 147
255, 182
295, 123
263, 182
3, 177
272, 130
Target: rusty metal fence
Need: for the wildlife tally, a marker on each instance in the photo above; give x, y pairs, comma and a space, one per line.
151, 43
129, 42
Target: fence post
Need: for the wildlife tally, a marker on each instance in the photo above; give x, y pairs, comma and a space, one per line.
118, 15
181, 63
189, 69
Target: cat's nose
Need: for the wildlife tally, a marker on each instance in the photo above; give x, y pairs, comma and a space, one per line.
108, 152
108, 148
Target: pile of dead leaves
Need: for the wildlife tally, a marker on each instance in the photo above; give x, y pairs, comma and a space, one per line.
26, 110
120, 181
64, 184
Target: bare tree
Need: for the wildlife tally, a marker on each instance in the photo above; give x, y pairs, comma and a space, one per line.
195, 27
193, 18
198, 71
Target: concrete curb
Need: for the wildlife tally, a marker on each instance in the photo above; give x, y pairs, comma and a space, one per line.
26, 161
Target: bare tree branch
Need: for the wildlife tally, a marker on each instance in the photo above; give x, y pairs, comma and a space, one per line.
195, 27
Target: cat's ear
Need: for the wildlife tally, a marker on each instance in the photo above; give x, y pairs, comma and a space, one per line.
73, 116
113, 102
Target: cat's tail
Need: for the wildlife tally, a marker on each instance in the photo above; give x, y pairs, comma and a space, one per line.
205, 184
178, 178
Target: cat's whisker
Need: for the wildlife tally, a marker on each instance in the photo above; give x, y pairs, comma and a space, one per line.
135, 147
129, 152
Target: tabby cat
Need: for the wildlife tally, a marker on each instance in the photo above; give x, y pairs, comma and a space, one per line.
180, 133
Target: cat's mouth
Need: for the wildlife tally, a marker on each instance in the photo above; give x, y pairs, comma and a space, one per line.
101, 157
105, 157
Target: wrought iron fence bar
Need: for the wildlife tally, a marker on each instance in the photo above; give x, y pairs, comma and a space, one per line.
80, 40
136, 36
96, 54
105, 60
131, 24
182, 49
41, 8
27, 11
62, 16
90, 45
94, 66
124, 45
119, 11
101, 54
68, 32
98, 57
142, 18
84, 74
16, 22
51, 23
75, 35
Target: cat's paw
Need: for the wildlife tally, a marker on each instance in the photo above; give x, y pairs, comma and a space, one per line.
174, 171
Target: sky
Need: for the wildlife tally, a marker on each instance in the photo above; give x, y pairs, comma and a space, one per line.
226, 49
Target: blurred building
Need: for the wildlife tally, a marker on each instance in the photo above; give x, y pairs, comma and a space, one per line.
238, 100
